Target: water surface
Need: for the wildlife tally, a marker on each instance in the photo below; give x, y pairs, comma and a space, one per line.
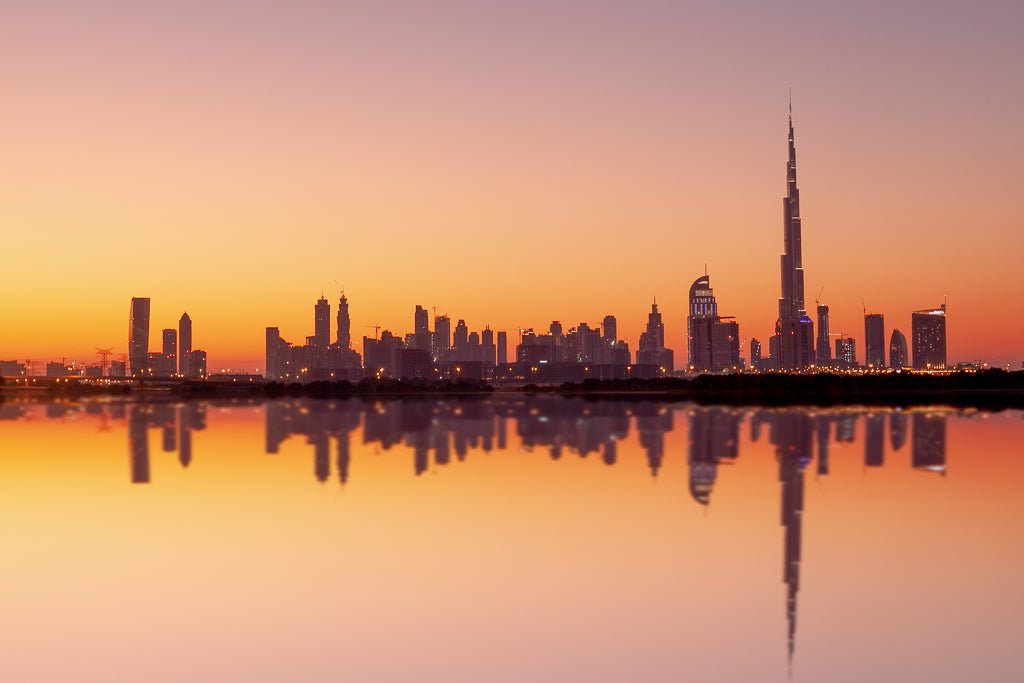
508, 539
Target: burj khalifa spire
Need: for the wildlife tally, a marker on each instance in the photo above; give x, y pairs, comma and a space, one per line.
794, 328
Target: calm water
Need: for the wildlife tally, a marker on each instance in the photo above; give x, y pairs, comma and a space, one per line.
508, 539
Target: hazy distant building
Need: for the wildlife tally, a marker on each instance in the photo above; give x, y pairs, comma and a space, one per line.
794, 328
755, 353
421, 329
897, 350
652, 349
322, 323
442, 337
488, 351
197, 364
344, 324
138, 336
170, 351
502, 348
824, 355
928, 329
874, 340
184, 344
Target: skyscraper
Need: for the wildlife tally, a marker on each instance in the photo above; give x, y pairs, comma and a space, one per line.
824, 356
651, 349
184, 344
322, 323
611, 329
502, 347
170, 350
442, 337
421, 329
138, 336
897, 350
795, 329
874, 340
344, 323
714, 342
846, 352
928, 329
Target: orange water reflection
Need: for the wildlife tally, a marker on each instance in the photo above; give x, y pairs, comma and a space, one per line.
507, 539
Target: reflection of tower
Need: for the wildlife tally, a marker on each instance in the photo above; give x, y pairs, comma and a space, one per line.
928, 450
191, 417
321, 455
138, 444
824, 428
344, 456
652, 422
897, 429
874, 440
714, 436
793, 438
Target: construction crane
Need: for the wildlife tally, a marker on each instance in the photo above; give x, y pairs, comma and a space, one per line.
376, 330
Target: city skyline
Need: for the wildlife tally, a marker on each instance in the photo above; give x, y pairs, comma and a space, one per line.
623, 165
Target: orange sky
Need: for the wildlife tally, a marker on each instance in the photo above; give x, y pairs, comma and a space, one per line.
509, 165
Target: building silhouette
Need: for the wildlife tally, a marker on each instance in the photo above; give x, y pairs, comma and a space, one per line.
794, 329
344, 339
652, 349
928, 329
824, 351
421, 330
502, 349
322, 323
184, 344
138, 336
874, 340
897, 350
846, 352
713, 341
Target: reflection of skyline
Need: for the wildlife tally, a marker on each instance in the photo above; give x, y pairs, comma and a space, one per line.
440, 432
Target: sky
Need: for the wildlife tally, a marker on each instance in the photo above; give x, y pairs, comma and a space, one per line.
506, 163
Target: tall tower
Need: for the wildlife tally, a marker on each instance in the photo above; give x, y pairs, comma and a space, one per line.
138, 335
794, 327
824, 352
421, 327
928, 332
184, 343
322, 323
344, 323
874, 340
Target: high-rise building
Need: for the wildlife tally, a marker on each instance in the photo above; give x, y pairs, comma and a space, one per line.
138, 336
421, 329
322, 323
502, 347
755, 353
824, 356
170, 350
846, 352
461, 340
611, 329
713, 341
651, 349
794, 327
928, 330
442, 337
874, 340
344, 323
184, 344
897, 350
488, 350
273, 363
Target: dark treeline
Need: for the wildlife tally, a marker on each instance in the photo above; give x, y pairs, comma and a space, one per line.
986, 389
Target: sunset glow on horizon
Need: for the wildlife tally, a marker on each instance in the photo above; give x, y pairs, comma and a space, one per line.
509, 164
